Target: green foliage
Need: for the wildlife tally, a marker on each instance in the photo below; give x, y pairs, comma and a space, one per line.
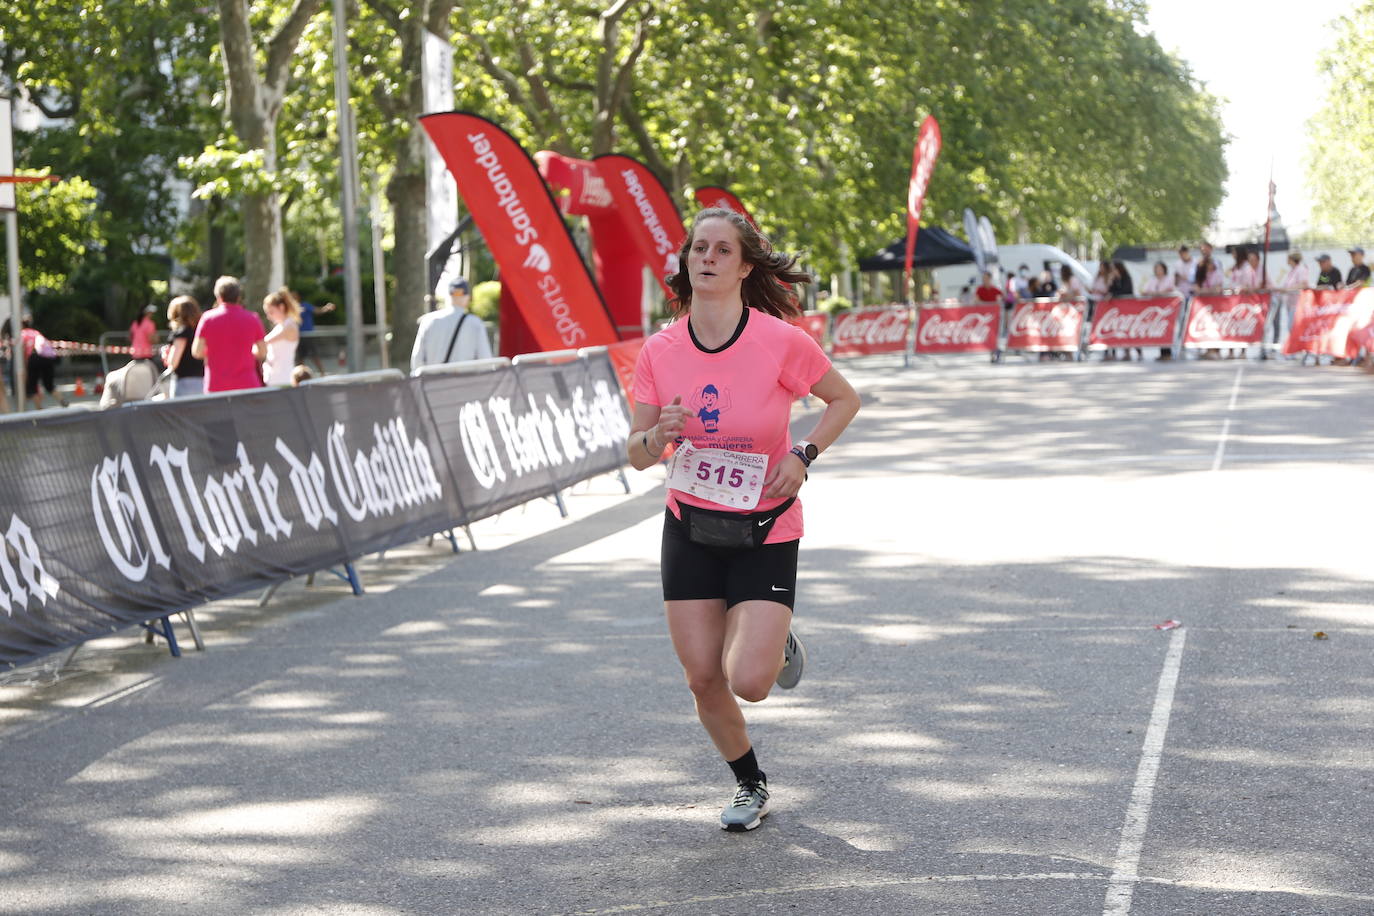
832, 304
486, 300
1341, 154
58, 225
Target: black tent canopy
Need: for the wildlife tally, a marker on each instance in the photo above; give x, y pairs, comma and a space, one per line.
934, 248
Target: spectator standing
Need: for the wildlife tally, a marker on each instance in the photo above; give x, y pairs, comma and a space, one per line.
1071, 288
142, 333
305, 348
1328, 277
1164, 282
229, 339
1294, 280
281, 309
40, 364
1359, 270
1021, 282
451, 334
1242, 279
183, 315
1209, 281
988, 291
1185, 271
1120, 286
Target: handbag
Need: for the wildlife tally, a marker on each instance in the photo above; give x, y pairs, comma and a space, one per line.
731, 530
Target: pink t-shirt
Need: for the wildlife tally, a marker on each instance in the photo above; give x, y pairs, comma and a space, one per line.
229, 332
141, 334
742, 395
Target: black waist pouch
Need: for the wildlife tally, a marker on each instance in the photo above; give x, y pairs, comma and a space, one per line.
734, 530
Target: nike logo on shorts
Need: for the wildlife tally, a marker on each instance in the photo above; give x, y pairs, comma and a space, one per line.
762, 523
776, 589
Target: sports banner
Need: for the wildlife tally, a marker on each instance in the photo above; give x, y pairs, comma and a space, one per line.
1135, 323
648, 211
112, 518
1043, 325
922, 165
966, 329
716, 196
862, 332
1226, 321
623, 356
813, 323
1327, 320
518, 217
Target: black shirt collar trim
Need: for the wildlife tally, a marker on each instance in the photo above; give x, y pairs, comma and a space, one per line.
739, 329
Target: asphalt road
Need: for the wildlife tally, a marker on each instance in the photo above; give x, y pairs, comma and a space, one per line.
990, 721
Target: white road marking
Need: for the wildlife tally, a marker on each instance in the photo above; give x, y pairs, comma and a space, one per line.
1226, 426
1124, 868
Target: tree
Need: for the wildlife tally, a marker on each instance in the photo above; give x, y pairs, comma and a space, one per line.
1340, 156
127, 91
254, 100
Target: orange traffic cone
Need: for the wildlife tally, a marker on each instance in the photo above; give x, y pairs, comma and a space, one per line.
80, 388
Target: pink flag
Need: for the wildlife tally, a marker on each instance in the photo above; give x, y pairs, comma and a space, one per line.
922, 164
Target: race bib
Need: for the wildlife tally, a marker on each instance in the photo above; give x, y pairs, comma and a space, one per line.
733, 479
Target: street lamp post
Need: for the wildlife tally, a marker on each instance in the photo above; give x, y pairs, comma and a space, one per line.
348, 178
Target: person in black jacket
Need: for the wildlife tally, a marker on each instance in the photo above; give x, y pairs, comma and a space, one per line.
1328, 277
1359, 271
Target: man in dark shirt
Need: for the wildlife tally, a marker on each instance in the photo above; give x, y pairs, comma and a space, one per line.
1359, 271
1328, 277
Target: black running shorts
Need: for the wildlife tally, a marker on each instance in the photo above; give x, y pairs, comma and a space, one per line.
692, 571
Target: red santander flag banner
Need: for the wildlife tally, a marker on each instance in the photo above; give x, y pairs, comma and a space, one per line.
715, 196
1330, 321
648, 211
813, 323
922, 165
624, 355
862, 332
1226, 321
1041, 325
1135, 323
968, 329
511, 205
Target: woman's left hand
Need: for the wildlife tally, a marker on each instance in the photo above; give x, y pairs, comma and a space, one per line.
785, 478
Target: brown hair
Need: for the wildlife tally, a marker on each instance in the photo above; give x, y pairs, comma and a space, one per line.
768, 287
183, 312
283, 298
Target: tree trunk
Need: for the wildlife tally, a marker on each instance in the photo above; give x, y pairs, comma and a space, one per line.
406, 194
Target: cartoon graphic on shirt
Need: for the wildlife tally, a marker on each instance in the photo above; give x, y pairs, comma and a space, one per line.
710, 404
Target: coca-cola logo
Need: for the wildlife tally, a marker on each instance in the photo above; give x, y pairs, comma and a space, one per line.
1240, 322
965, 330
871, 328
1151, 322
1057, 321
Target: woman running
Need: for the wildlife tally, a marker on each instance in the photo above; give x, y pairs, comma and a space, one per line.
720, 382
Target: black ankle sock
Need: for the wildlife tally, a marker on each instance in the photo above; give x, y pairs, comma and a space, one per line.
746, 768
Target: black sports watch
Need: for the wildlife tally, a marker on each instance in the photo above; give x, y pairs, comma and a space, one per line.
806, 451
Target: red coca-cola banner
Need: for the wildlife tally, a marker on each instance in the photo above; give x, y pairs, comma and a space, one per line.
1135, 323
520, 221
862, 332
1226, 321
1042, 325
1327, 321
648, 210
967, 329
714, 196
813, 323
922, 166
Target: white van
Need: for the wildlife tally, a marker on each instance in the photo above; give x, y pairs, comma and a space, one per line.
949, 281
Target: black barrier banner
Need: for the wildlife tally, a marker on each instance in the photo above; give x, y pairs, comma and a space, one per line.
510, 437
111, 518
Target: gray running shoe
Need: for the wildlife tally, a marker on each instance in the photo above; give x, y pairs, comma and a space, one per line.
794, 660
748, 808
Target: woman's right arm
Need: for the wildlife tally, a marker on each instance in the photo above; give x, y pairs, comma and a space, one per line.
651, 429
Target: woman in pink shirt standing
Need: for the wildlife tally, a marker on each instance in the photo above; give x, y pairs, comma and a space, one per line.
720, 382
